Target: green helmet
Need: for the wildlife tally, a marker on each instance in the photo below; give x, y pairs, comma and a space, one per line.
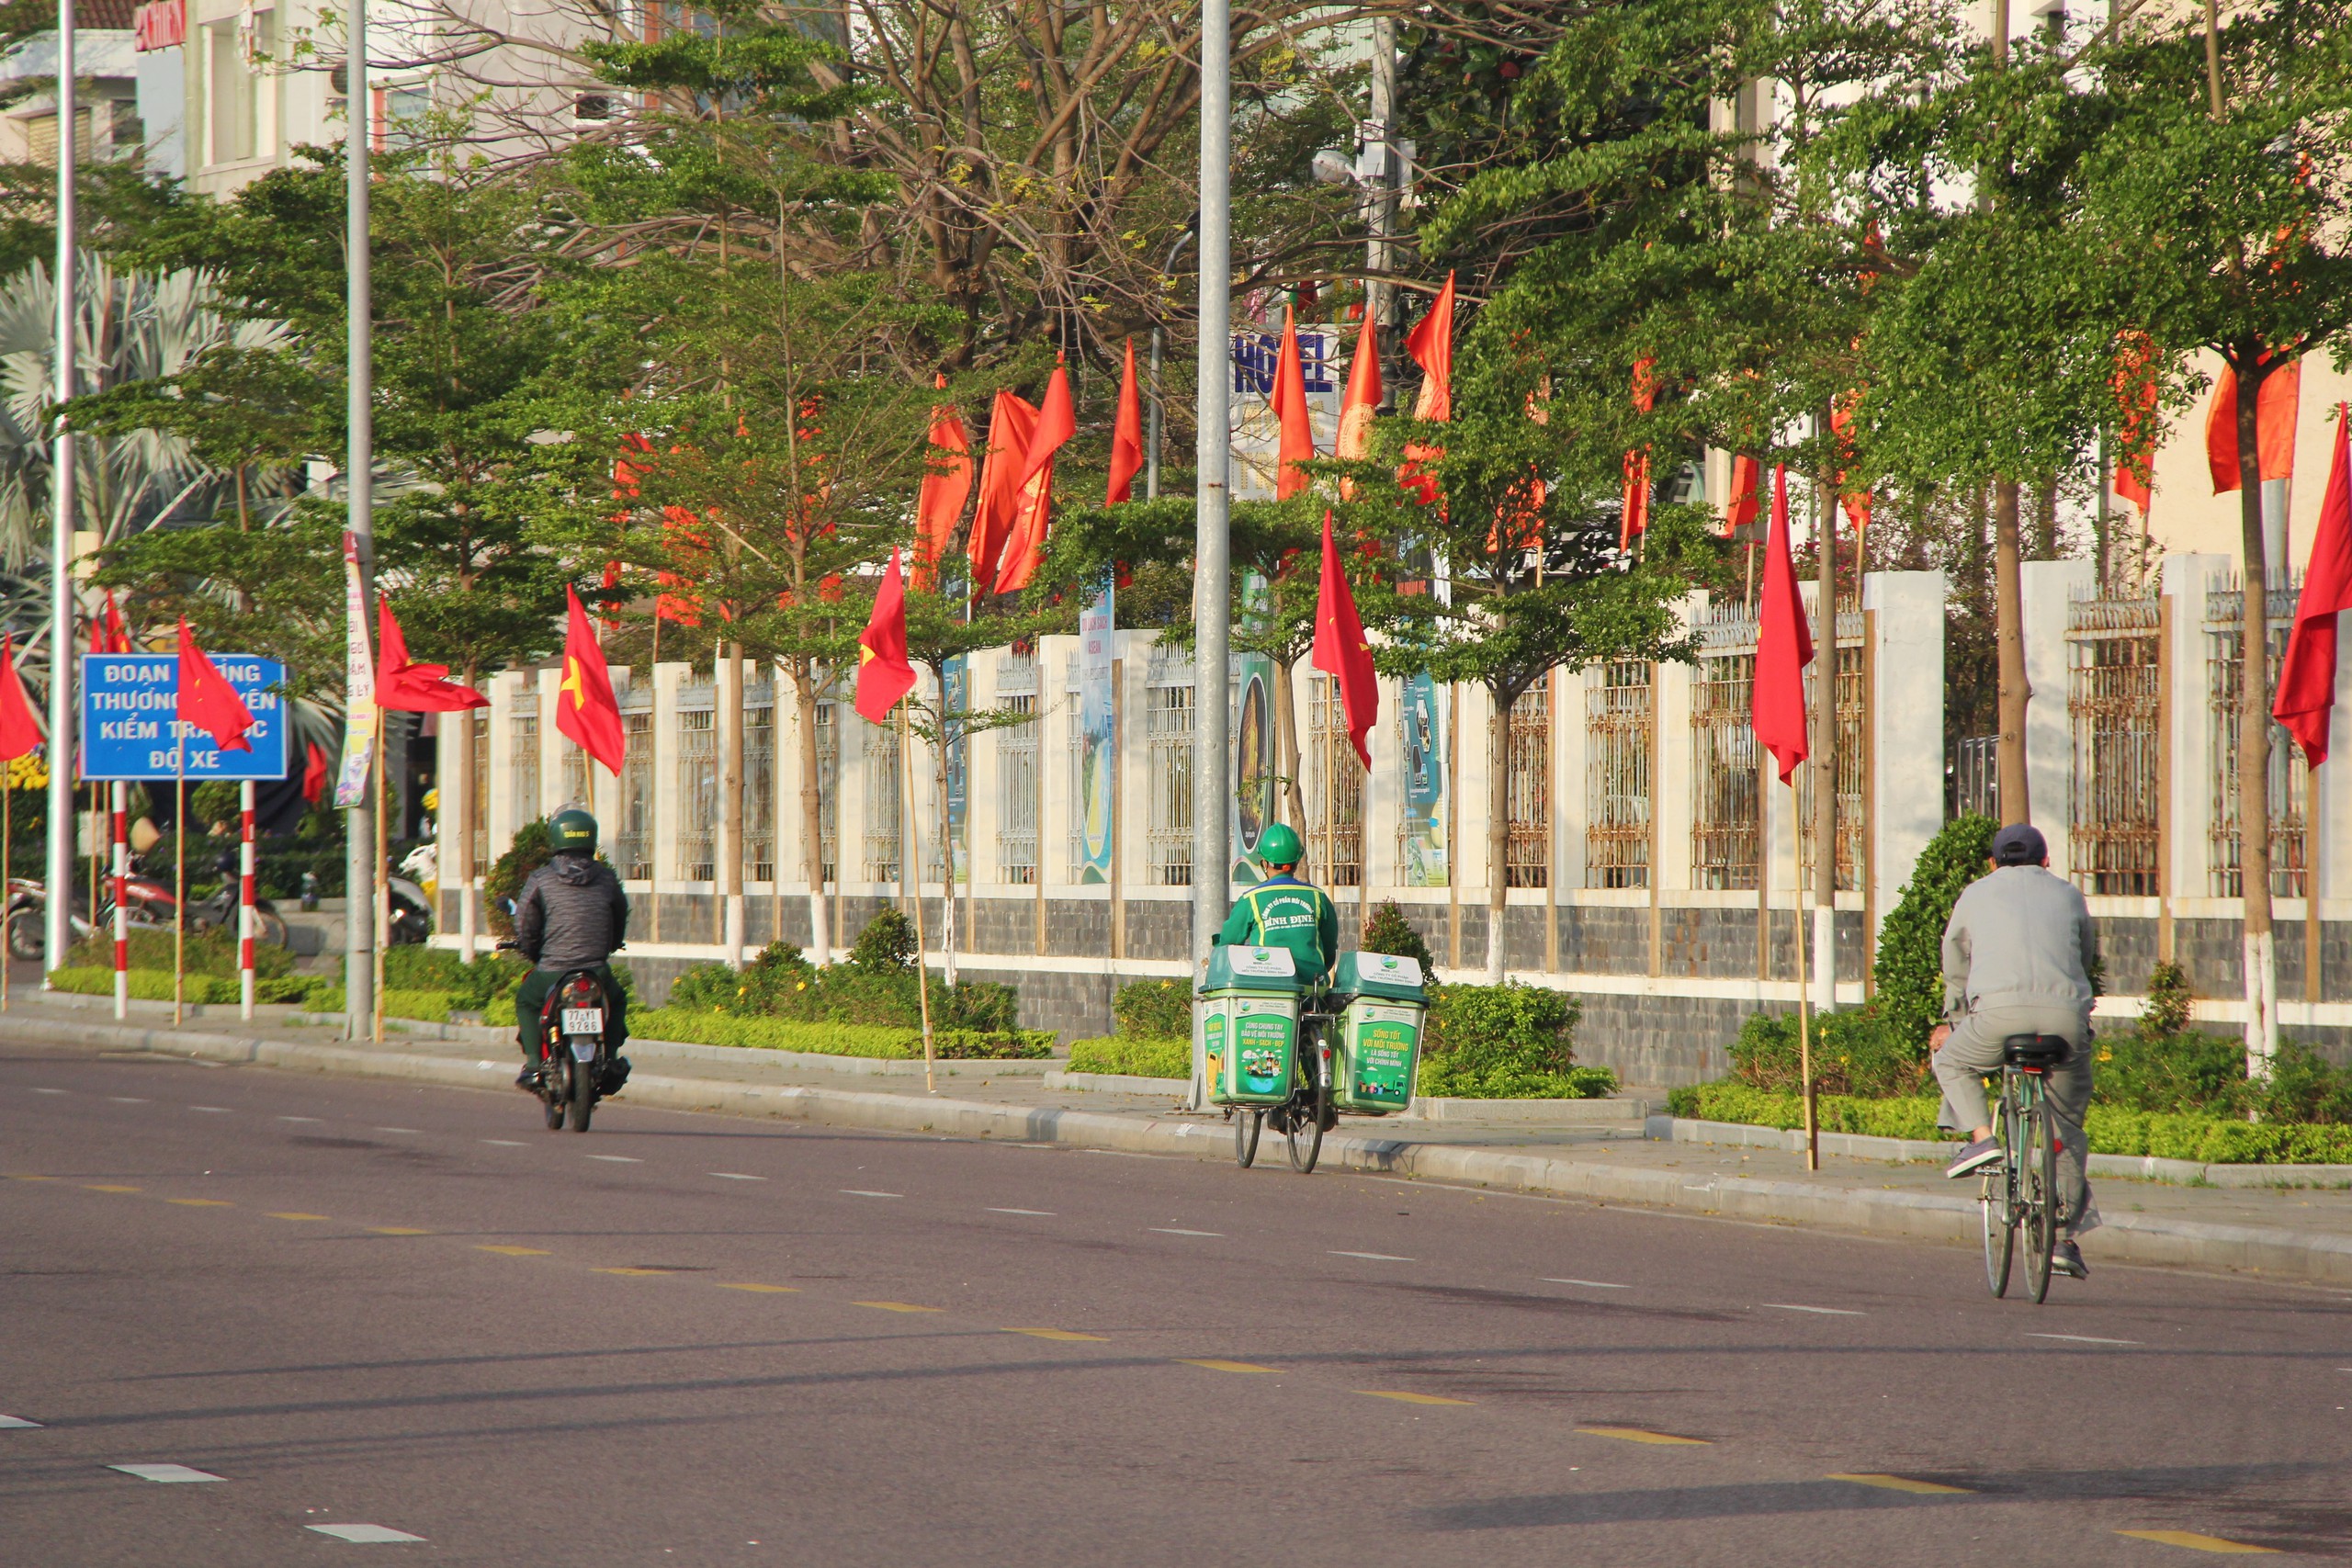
572, 828
1278, 845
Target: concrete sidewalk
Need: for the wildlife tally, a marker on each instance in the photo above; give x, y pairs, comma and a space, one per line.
2295, 1233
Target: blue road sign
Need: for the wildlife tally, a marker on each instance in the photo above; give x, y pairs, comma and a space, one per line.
127, 730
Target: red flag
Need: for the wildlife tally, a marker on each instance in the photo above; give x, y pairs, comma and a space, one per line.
586, 708
112, 637
947, 485
1783, 644
1010, 420
404, 687
1362, 398
1431, 342
2307, 675
205, 701
1126, 436
1289, 403
883, 674
2136, 398
1741, 511
2274, 407
314, 773
1340, 649
1057, 422
19, 730
1635, 515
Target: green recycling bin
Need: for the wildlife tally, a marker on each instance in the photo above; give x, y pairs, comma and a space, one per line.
1248, 1008
1382, 1009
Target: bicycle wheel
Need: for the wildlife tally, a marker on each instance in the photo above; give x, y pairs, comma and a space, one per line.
1997, 1199
2038, 1197
1247, 1125
1310, 1108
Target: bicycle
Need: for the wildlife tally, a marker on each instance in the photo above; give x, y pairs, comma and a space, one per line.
2022, 1190
1306, 1115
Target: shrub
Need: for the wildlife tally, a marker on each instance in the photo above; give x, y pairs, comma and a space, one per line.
468, 985
1508, 1041
887, 945
1390, 933
528, 851
326, 997
146, 985
2166, 1012
1909, 977
1134, 1055
2184, 1071
1854, 1052
1153, 1010
836, 1039
212, 952
780, 984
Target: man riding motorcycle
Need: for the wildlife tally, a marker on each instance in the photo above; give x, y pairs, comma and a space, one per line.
571, 915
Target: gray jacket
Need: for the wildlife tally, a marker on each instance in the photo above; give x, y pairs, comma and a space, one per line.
2018, 935
572, 912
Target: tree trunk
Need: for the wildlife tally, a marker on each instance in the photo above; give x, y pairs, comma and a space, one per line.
2008, 630
813, 813
1822, 762
2254, 739
2045, 521
1498, 832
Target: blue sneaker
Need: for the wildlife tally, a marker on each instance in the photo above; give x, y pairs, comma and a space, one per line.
2067, 1258
1975, 1156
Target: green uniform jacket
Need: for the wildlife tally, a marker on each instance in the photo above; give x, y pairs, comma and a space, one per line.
1283, 911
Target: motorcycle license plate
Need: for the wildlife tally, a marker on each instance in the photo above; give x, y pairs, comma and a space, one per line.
583, 1050
583, 1021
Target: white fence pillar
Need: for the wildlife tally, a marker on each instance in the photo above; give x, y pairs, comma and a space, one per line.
2050, 587
1906, 611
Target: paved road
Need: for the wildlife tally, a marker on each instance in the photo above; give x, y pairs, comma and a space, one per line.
686, 1339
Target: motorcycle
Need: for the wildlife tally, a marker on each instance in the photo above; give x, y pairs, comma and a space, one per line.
410, 920
220, 909
577, 1065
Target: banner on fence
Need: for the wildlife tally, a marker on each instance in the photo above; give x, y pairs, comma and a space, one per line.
956, 697
1423, 838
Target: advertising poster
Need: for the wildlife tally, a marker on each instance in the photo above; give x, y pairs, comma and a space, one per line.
1424, 845
359, 686
957, 699
1253, 740
1098, 758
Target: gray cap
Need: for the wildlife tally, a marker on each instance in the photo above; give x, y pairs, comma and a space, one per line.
2019, 843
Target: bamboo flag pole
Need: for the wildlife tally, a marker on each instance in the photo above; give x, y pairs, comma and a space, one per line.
1804, 988
179, 869
379, 885
907, 852
8, 869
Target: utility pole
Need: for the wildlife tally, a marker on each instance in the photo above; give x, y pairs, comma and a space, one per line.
1212, 582
360, 869
1378, 171
59, 872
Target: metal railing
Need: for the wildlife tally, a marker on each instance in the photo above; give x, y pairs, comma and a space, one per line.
758, 784
1527, 759
698, 835
882, 802
1853, 759
1169, 698
633, 845
1334, 788
523, 765
2287, 781
1725, 776
1620, 719
2114, 706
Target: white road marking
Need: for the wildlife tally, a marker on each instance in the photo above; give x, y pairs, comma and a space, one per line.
861, 1192
2082, 1339
1587, 1284
363, 1533
168, 1473
18, 1424
1041, 1214
127, 1100
49, 1091
1170, 1230
617, 1159
1375, 1257
506, 1143
735, 1176
211, 1110
298, 1118
1825, 1312
398, 1128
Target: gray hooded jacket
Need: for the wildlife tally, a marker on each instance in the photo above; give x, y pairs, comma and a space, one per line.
572, 912
2018, 935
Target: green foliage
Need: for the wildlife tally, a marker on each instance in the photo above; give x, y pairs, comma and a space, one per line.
210, 952
837, 1039
155, 986
1133, 1055
1153, 1010
1856, 1053
887, 945
1508, 1041
1909, 976
529, 850
880, 990
1387, 930
468, 986
1911, 1116
2168, 999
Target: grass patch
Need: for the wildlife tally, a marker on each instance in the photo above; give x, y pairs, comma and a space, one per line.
1141, 1057
881, 1041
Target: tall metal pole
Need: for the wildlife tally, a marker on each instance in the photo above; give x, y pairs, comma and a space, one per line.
1377, 170
1212, 582
61, 751
359, 820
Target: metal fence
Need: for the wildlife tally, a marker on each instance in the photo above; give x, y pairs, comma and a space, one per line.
1526, 760
697, 775
1334, 787
1619, 731
1169, 695
633, 845
1853, 757
2114, 705
1723, 773
478, 798
2287, 785
1972, 778
759, 783
828, 790
1016, 753
883, 806
522, 765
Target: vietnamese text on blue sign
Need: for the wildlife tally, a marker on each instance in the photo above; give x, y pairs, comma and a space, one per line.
127, 730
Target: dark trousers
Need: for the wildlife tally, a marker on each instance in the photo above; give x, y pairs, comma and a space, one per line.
532, 994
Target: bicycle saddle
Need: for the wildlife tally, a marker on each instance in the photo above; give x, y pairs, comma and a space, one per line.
2034, 1049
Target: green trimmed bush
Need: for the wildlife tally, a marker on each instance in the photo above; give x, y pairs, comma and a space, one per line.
212, 952
1909, 977
146, 985
1856, 1053
1390, 933
326, 997
1508, 1041
468, 985
837, 1039
1153, 1010
1134, 1056
781, 984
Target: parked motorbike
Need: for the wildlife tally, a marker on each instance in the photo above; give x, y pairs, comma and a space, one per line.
220, 909
28, 919
577, 1063
410, 913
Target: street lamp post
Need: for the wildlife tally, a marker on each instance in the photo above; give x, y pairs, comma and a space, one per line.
360, 869
59, 872
1212, 599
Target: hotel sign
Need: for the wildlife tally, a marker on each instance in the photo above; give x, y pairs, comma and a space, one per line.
159, 24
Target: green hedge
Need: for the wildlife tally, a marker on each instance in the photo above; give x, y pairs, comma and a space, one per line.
155, 986
697, 1027
1154, 1009
2114, 1130
1137, 1057
781, 984
1508, 1041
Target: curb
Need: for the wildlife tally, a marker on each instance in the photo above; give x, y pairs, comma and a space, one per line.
2130, 1238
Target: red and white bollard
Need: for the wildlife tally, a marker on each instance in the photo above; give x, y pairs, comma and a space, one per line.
245, 921
120, 796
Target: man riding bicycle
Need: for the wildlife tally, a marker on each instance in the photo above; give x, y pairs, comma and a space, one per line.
1283, 911
2018, 953
571, 915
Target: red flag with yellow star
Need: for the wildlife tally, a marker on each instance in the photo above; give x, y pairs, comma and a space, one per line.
1342, 649
883, 674
584, 707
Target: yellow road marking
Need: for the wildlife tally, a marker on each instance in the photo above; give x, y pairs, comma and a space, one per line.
102, 1186
1901, 1484
515, 1251
1224, 1366
201, 1202
396, 1230
295, 1215
1410, 1398
632, 1271
763, 1289
897, 1306
1058, 1334
32, 1179
2196, 1542
1636, 1435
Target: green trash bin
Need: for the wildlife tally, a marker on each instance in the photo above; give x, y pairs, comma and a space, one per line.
1382, 1010
1248, 1006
